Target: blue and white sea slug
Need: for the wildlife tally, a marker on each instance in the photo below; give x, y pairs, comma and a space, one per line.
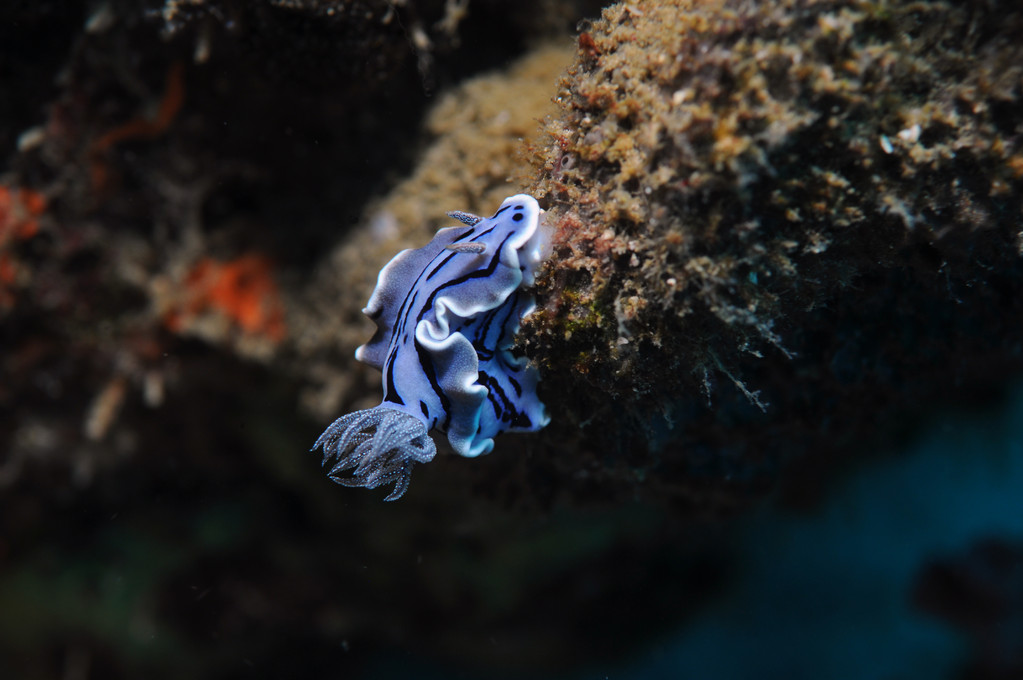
446, 315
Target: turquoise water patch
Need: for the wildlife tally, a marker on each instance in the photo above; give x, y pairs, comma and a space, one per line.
828, 595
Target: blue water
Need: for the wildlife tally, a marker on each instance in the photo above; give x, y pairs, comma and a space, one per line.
828, 596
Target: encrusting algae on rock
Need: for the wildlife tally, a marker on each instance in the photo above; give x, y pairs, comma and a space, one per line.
719, 168
744, 193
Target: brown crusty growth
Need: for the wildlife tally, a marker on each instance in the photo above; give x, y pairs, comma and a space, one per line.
743, 191
721, 170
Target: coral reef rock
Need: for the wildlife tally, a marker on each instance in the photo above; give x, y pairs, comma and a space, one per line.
770, 212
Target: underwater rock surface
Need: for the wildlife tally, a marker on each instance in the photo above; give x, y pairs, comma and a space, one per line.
781, 224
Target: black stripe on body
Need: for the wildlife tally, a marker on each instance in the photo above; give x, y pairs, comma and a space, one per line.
399, 330
413, 291
512, 305
426, 363
479, 338
392, 352
407, 305
441, 266
506, 410
390, 390
448, 258
480, 235
476, 274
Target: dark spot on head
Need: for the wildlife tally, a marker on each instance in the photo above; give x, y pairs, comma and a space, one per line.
518, 207
517, 217
426, 411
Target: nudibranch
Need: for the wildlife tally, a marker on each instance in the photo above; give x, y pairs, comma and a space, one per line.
446, 316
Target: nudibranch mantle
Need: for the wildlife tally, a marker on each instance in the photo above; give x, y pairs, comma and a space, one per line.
446, 316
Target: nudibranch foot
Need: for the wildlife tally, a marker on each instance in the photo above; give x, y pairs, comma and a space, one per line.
379, 445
